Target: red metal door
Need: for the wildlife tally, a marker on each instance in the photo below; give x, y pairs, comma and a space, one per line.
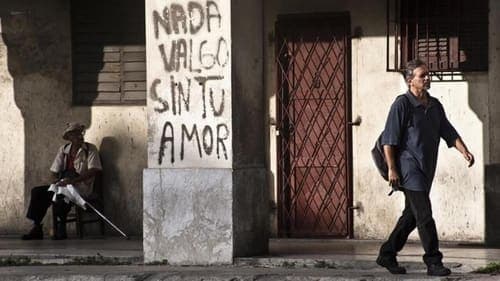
314, 167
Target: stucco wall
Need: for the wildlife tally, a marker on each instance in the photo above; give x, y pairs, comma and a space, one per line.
190, 133
221, 93
11, 151
36, 64
458, 192
120, 134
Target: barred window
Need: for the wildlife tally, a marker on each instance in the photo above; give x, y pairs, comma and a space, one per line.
109, 54
449, 35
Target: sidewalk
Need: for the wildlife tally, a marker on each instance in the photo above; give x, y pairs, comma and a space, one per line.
290, 259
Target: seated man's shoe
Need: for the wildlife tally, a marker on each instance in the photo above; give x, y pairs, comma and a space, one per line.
438, 270
391, 265
36, 233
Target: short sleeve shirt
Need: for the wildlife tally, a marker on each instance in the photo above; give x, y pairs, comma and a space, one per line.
87, 157
415, 131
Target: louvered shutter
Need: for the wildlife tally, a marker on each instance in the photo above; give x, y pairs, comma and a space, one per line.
109, 57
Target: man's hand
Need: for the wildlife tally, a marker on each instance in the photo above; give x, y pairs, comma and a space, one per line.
460, 146
469, 158
63, 182
393, 177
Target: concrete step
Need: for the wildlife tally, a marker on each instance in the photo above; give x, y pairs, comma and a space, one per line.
117, 259
338, 263
341, 263
213, 273
98, 267
58, 259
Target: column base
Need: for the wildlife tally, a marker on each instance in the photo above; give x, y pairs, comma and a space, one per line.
187, 217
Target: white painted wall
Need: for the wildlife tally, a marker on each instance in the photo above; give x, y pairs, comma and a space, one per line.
193, 99
121, 135
188, 211
11, 151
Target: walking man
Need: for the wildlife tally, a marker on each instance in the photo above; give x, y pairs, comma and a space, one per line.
415, 124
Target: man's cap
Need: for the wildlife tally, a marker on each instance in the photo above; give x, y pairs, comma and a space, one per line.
73, 126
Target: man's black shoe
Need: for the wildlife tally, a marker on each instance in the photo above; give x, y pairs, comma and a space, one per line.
36, 233
391, 265
438, 270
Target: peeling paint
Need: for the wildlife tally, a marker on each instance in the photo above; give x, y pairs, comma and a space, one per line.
187, 216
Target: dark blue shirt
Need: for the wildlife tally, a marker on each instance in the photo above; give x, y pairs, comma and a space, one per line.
415, 131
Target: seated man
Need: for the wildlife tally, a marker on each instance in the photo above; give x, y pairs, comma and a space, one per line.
76, 163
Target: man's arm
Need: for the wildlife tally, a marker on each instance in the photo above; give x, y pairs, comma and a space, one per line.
448, 133
84, 176
460, 146
390, 156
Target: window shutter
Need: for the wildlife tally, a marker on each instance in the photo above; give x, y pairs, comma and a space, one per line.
109, 57
437, 35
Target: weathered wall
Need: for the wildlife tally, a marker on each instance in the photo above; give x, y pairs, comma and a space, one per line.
188, 184
37, 36
458, 192
206, 157
11, 150
189, 83
188, 216
120, 134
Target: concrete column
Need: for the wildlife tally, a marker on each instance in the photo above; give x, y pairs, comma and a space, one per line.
193, 212
250, 188
492, 155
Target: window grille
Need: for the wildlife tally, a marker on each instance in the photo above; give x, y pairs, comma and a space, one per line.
451, 36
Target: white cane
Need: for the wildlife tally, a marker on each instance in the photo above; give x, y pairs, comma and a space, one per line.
72, 195
106, 219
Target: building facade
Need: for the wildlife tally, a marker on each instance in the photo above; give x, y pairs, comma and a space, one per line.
224, 123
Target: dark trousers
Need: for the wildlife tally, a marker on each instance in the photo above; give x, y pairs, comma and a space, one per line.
417, 213
41, 200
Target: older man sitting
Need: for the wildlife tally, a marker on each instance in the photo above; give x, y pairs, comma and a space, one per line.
76, 163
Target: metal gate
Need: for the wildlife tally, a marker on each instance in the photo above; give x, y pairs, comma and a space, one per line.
314, 167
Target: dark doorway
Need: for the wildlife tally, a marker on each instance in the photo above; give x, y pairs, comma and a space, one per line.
314, 142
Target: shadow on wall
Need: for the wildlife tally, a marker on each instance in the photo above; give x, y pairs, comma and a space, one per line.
110, 150
478, 92
38, 39
477, 95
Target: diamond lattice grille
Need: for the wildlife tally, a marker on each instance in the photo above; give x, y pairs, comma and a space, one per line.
312, 122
